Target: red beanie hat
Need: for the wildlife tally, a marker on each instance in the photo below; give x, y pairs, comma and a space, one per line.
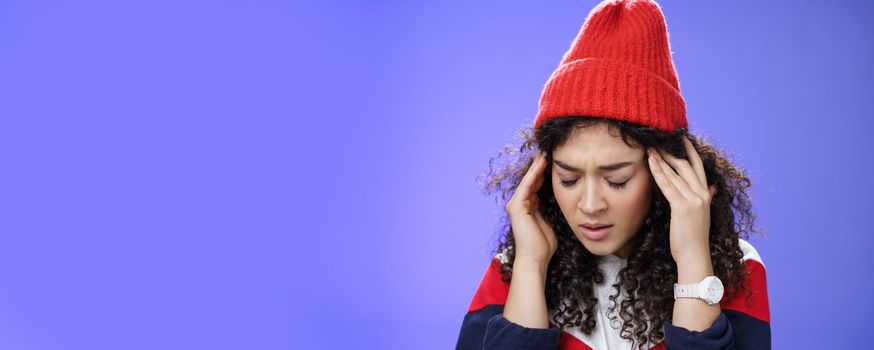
618, 67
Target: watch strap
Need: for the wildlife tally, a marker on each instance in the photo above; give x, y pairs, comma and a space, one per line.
686, 290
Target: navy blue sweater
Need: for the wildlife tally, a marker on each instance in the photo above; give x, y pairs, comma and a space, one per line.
744, 322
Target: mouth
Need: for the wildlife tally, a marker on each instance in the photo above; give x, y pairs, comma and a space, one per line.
596, 232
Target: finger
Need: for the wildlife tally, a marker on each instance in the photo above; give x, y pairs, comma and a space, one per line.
529, 180
540, 177
544, 226
679, 184
530, 176
695, 160
662, 180
538, 173
684, 169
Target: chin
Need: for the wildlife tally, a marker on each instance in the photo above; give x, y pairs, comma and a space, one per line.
599, 248
600, 251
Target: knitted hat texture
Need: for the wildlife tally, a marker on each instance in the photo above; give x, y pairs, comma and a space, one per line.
619, 67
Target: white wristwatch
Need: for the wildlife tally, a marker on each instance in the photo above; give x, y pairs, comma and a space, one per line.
709, 289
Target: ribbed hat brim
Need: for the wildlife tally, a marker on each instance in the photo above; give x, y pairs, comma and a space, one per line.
601, 87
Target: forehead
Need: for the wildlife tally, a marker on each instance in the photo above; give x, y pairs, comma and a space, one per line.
597, 144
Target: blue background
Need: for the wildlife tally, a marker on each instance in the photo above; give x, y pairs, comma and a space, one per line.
277, 175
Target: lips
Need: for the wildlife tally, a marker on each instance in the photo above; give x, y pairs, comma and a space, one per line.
596, 232
594, 226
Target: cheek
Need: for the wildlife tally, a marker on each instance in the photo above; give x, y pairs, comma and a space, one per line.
565, 198
636, 200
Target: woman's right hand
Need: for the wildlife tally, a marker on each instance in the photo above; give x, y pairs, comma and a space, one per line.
534, 238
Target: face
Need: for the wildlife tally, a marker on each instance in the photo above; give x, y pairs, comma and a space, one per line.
599, 179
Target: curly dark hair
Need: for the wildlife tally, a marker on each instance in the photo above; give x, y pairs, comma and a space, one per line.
650, 273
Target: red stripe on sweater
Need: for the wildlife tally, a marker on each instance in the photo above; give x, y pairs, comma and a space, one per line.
492, 290
757, 304
569, 342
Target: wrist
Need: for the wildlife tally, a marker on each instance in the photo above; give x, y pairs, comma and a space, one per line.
693, 270
691, 255
530, 266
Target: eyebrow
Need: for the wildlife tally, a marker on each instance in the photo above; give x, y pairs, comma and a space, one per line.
609, 167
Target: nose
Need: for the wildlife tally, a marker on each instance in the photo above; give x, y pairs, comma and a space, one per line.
592, 201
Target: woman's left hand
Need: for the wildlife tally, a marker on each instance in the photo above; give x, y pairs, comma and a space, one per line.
689, 196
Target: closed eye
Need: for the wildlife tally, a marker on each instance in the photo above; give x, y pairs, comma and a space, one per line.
570, 183
617, 185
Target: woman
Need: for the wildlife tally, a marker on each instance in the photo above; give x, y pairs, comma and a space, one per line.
624, 230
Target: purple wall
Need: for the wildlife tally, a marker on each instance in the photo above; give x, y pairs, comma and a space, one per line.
273, 175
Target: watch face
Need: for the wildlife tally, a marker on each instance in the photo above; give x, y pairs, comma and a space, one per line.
713, 290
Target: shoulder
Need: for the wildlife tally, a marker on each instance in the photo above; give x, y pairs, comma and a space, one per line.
750, 252
492, 289
754, 303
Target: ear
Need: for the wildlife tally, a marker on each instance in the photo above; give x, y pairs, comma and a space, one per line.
712, 190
